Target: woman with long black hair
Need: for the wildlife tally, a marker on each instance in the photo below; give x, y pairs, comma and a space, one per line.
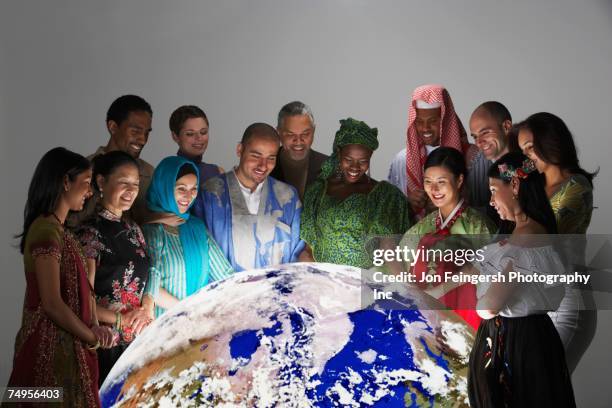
118, 266
56, 344
518, 358
547, 140
444, 174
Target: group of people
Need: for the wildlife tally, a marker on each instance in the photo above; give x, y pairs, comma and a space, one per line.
111, 242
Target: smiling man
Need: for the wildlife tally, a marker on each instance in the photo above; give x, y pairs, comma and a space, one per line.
254, 218
490, 126
128, 121
297, 163
432, 122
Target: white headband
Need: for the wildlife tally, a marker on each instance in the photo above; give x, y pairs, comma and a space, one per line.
424, 105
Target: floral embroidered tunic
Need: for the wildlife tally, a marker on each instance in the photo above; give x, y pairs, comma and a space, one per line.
122, 265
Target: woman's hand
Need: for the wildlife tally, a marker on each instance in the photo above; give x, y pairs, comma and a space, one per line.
442, 343
138, 319
487, 314
106, 336
434, 291
306, 255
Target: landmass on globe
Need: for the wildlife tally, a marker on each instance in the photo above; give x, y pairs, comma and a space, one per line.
298, 335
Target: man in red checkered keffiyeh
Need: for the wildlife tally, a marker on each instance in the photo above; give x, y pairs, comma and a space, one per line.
432, 122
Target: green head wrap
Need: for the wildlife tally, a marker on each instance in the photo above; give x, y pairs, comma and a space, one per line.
351, 131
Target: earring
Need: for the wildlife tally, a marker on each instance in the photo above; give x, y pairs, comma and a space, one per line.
101, 194
339, 173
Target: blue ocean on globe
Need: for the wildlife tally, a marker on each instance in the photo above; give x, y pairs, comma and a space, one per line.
299, 335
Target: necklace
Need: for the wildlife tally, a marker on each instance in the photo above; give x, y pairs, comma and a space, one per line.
57, 218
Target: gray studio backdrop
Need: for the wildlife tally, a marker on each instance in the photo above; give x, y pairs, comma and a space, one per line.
63, 62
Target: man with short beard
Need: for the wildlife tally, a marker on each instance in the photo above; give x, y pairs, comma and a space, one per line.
432, 122
254, 218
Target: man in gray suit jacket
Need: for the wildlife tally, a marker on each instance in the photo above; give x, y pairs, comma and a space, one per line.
297, 163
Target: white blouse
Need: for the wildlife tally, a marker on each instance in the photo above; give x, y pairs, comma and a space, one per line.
526, 298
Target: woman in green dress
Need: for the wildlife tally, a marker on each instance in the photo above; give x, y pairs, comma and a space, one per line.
444, 173
546, 139
345, 206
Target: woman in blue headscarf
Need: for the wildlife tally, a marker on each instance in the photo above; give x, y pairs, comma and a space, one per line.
185, 258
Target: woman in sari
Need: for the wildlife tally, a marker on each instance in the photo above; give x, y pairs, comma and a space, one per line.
345, 206
444, 174
56, 344
546, 139
183, 259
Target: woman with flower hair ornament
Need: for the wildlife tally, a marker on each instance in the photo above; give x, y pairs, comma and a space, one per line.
518, 358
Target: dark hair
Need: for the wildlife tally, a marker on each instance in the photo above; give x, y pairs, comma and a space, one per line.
497, 111
259, 129
552, 142
106, 164
449, 158
531, 196
182, 113
47, 184
121, 107
185, 169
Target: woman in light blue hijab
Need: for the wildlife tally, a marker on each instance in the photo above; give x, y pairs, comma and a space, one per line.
184, 259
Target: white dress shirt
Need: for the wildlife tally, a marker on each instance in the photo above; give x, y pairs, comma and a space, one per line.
252, 198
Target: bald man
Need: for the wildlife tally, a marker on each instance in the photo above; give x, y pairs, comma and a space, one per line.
254, 218
490, 126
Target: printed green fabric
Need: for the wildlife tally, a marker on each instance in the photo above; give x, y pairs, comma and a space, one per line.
471, 221
572, 204
336, 230
351, 131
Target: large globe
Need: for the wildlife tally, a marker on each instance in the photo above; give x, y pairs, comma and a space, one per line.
299, 335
